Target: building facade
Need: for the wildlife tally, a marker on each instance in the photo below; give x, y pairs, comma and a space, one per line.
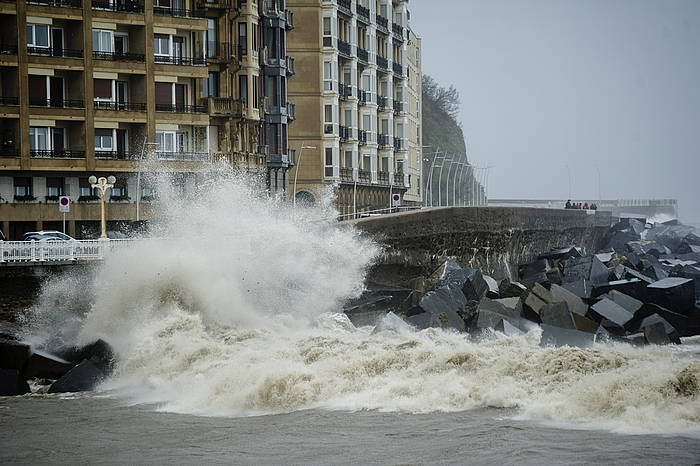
92, 86
354, 95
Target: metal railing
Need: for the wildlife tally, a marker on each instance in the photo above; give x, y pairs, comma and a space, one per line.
188, 61
345, 133
216, 4
345, 6
58, 154
362, 136
225, 106
398, 106
382, 62
377, 212
362, 55
398, 178
181, 108
398, 68
364, 176
57, 103
178, 12
59, 250
116, 155
398, 144
124, 106
397, 29
220, 52
197, 156
9, 100
55, 52
382, 102
57, 3
343, 47
346, 174
119, 56
122, 6
383, 140
383, 24
363, 13
362, 96
383, 177
344, 90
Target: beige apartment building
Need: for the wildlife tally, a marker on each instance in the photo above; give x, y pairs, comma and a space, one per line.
85, 83
359, 99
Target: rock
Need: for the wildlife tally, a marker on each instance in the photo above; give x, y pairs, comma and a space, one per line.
558, 315
631, 273
577, 307
608, 310
618, 240
13, 354
659, 331
507, 328
675, 294
678, 321
563, 252
46, 366
631, 304
511, 303
491, 312
632, 287
99, 353
493, 290
441, 274
534, 272
83, 377
693, 272
439, 308
655, 271
474, 286
555, 336
12, 384
509, 289
534, 300
392, 323
370, 311
581, 274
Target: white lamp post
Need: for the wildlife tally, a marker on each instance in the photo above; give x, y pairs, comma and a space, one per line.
296, 173
102, 184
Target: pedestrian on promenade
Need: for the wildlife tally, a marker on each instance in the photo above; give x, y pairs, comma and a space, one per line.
568, 204
585, 206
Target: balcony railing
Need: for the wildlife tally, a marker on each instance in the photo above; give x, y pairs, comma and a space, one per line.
345, 133
362, 136
362, 55
122, 6
221, 52
346, 174
181, 108
290, 66
291, 111
398, 68
382, 101
398, 178
216, 4
9, 100
363, 13
57, 103
383, 177
398, 144
199, 156
58, 154
8, 49
362, 96
382, 62
383, 140
343, 47
344, 90
115, 155
383, 24
364, 176
187, 61
119, 56
224, 106
397, 29
177, 12
57, 3
55, 52
124, 106
345, 6
398, 106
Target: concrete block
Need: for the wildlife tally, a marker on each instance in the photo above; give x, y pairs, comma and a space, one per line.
632, 287
43, 365
675, 294
611, 311
12, 384
83, 377
509, 289
555, 336
493, 290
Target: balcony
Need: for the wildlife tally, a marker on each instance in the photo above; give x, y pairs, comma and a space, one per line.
345, 7
345, 174
362, 96
345, 133
383, 24
55, 52
58, 154
114, 155
121, 6
398, 144
8, 49
120, 106
398, 178
186, 61
216, 4
397, 29
9, 100
178, 12
220, 53
345, 91
398, 68
181, 108
290, 66
363, 55
119, 56
291, 111
383, 140
363, 13
195, 156
344, 47
382, 63
57, 3
57, 103
222, 106
362, 136
383, 177
364, 176
382, 102
398, 107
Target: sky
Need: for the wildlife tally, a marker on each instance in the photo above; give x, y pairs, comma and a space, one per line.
598, 86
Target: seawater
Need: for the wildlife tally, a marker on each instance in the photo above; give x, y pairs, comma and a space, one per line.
233, 313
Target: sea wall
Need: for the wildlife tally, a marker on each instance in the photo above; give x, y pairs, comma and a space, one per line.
493, 239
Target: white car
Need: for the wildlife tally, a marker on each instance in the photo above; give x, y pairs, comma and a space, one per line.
47, 235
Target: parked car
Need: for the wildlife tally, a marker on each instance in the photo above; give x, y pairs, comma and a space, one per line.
46, 235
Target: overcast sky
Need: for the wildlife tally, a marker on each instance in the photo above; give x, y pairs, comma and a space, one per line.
608, 84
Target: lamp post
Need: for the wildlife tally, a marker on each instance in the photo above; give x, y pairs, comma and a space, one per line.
102, 184
296, 173
445, 159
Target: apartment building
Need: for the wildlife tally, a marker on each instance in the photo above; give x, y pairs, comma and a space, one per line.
92, 86
354, 95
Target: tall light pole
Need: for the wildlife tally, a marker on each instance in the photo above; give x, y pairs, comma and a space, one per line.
431, 177
138, 177
296, 173
440, 177
460, 166
102, 184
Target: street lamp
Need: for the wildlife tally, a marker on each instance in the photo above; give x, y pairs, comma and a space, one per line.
296, 173
102, 184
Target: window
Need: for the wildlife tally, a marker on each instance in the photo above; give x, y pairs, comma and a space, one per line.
119, 189
23, 186
54, 187
211, 85
243, 88
37, 35
102, 40
86, 189
255, 91
367, 162
348, 117
329, 162
102, 89
255, 39
366, 83
211, 38
104, 140
348, 159
399, 166
327, 31
243, 38
328, 114
38, 138
327, 76
161, 44
165, 141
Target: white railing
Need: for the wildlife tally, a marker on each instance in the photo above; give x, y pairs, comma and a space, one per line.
57, 251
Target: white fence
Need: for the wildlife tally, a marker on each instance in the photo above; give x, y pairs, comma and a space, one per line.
57, 251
